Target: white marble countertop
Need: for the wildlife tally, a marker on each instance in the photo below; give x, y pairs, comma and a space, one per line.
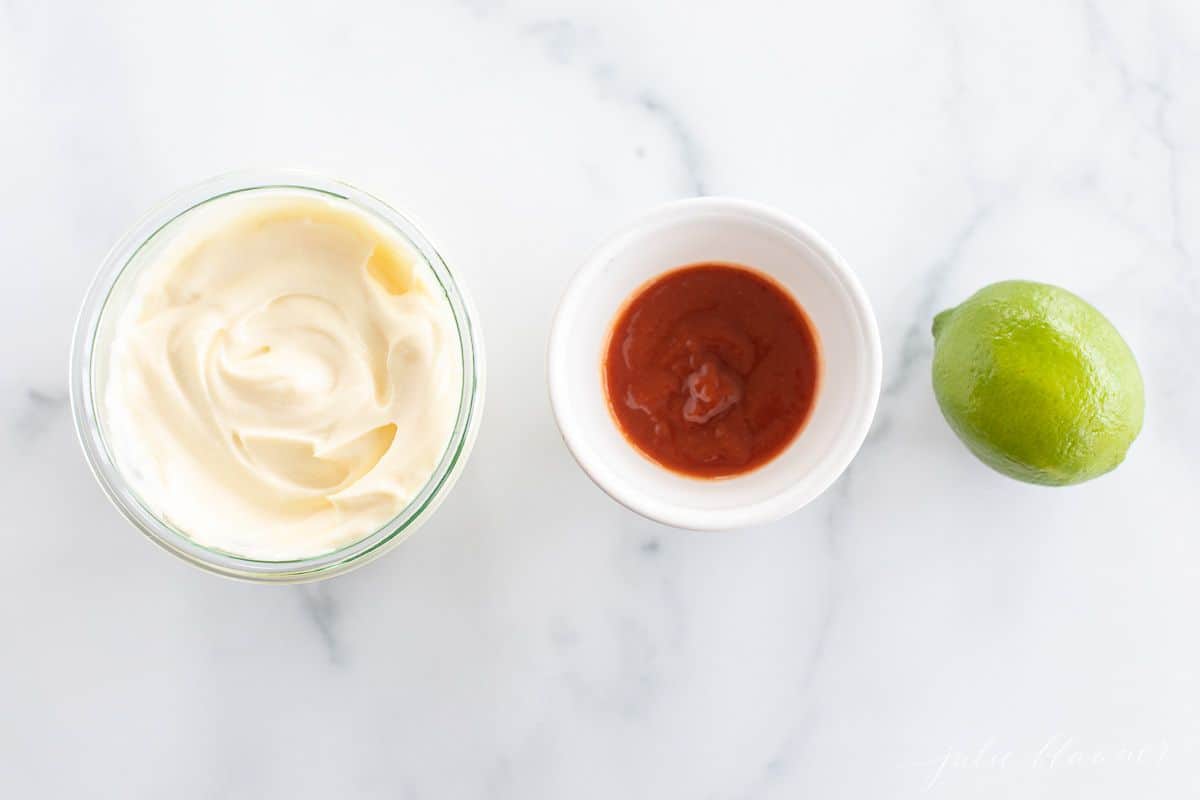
926, 629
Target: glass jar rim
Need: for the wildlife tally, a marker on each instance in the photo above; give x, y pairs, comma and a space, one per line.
109, 475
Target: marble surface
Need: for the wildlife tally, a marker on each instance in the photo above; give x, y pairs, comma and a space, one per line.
926, 629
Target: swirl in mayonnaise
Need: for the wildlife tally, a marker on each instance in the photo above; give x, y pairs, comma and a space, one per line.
285, 377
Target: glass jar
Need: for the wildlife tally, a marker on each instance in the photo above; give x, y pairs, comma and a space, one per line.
104, 303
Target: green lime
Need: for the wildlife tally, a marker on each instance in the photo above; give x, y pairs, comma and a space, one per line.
1037, 383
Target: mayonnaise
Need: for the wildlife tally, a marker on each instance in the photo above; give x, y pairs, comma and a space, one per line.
285, 377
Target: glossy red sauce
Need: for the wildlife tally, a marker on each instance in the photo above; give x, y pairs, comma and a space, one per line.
712, 370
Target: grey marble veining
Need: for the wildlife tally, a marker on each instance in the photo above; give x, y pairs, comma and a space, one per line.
566, 44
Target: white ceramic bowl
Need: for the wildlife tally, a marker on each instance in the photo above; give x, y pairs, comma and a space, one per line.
731, 231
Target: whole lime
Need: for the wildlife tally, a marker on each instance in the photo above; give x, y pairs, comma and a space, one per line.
1037, 383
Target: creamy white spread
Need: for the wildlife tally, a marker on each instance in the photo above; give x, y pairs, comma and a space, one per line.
285, 377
